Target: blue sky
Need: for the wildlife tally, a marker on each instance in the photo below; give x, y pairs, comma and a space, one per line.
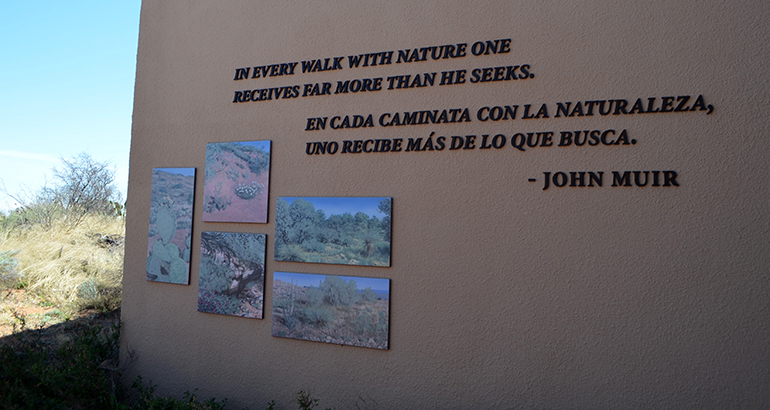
67, 72
311, 279
179, 171
340, 205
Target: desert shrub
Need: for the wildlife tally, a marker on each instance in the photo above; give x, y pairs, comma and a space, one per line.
73, 267
370, 238
8, 275
212, 302
289, 320
34, 376
314, 296
217, 203
339, 292
147, 400
318, 316
214, 277
383, 248
305, 402
370, 325
291, 253
385, 207
368, 295
84, 186
39, 209
312, 245
95, 293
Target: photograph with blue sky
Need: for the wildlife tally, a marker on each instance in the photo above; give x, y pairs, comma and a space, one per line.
170, 231
345, 310
379, 285
67, 82
336, 230
339, 206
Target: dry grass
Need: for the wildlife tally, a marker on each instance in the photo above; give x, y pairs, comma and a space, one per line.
73, 268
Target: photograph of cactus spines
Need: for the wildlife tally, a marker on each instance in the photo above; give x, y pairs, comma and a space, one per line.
235, 187
232, 274
337, 230
343, 310
171, 212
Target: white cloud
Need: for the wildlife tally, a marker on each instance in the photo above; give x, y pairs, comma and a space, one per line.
29, 155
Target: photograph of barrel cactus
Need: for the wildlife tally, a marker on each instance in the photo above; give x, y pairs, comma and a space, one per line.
343, 310
232, 274
347, 230
235, 187
171, 213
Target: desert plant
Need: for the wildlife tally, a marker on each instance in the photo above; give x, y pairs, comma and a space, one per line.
97, 294
8, 275
370, 238
339, 292
211, 302
84, 186
291, 253
164, 261
148, 400
312, 245
318, 316
34, 376
305, 402
217, 201
368, 295
370, 325
314, 296
63, 264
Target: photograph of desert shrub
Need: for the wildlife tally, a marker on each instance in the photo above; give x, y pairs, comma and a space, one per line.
232, 274
346, 231
236, 182
344, 310
171, 212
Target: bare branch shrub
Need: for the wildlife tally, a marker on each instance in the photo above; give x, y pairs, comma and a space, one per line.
84, 186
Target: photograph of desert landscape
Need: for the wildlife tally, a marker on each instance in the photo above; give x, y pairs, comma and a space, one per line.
344, 310
232, 274
235, 187
338, 230
171, 211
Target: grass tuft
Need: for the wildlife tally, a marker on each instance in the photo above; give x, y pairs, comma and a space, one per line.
74, 268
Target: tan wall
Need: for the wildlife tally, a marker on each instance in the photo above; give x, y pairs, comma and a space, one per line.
503, 295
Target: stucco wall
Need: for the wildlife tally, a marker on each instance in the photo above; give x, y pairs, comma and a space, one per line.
503, 295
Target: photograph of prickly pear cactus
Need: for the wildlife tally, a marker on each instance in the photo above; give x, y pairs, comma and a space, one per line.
345, 310
235, 188
171, 211
345, 231
232, 274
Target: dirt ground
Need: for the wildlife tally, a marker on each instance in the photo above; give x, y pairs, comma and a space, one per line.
23, 312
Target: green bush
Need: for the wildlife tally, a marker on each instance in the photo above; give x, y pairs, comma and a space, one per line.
33, 376
339, 292
318, 316
314, 296
291, 253
368, 295
8, 264
149, 401
93, 293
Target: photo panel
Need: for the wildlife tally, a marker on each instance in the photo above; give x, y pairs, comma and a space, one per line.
171, 215
232, 274
235, 188
337, 230
347, 310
